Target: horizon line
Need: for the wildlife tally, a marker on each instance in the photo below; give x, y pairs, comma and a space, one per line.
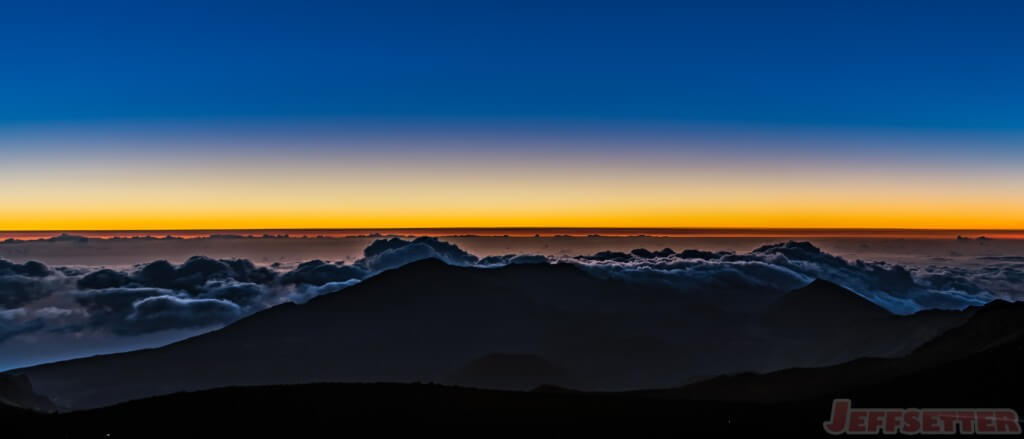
697, 228
666, 232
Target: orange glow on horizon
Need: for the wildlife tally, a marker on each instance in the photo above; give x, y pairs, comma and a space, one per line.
459, 210
488, 190
528, 232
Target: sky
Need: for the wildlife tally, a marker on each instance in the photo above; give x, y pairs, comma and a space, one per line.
187, 115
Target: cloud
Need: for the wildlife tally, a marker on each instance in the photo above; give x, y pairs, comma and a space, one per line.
1003, 258
132, 311
244, 295
160, 296
105, 278
207, 292
732, 283
107, 308
53, 312
13, 322
382, 254
303, 293
1001, 280
16, 291
12, 314
191, 276
198, 270
160, 313
513, 259
769, 270
21, 284
317, 272
114, 299
29, 269
106, 299
202, 291
644, 253
385, 254
609, 256
159, 274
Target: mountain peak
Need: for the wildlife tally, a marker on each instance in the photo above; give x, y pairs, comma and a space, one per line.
16, 390
822, 284
822, 296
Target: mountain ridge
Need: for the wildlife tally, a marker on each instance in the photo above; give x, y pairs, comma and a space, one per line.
989, 328
426, 320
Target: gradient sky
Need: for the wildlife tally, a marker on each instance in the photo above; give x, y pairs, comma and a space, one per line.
185, 115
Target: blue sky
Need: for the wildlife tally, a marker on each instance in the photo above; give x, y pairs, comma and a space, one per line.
926, 65
174, 115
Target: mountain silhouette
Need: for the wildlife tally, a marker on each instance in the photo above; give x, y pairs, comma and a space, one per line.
430, 322
509, 372
827, 322
975, 364
311, 409
16, 391
826, 300
988, 346
421, 322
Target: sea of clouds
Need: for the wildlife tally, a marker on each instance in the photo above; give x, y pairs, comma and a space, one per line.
202, 292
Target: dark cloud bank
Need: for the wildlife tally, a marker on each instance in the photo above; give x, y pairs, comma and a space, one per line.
205, 292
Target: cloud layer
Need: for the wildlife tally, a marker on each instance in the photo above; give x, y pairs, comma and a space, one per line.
203, 292
786, 266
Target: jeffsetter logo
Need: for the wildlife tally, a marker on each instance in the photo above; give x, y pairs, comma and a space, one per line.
848, 420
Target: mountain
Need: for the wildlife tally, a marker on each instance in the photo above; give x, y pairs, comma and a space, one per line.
824, 322
976, 364
825, 300
973, 362
311, 409
422, 322
16, 391
431, 322
509, 372
20, 422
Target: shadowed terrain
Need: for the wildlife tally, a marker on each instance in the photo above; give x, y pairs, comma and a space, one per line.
974, 365
431, 322
316, 408
977, 363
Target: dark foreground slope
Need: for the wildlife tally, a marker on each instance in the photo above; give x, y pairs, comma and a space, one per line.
431, 322
16, 391
336, 409
423, 322
986, 378
975, 364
